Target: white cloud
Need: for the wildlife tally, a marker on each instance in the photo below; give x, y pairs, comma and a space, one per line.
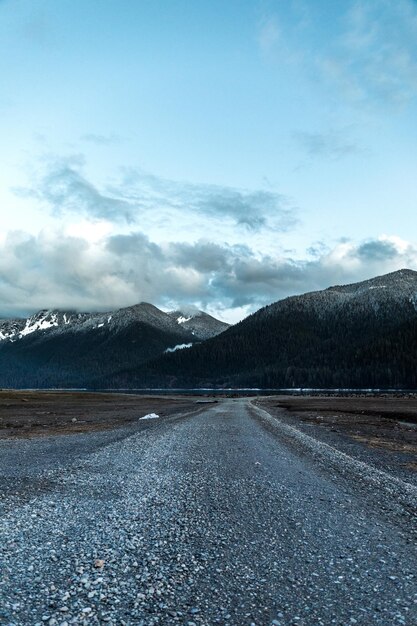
91, 230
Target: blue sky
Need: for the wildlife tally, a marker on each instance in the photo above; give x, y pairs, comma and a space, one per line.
217, 154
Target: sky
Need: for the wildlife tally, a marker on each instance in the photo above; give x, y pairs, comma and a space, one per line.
215, 154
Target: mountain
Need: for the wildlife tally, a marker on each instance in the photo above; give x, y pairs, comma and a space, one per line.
358, 335
199, 323
66, 348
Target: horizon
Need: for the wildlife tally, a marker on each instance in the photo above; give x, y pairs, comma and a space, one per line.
217, 156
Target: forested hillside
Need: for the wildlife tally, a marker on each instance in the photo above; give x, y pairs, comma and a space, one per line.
362, 335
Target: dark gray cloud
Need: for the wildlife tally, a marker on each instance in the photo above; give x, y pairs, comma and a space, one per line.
70, 272
205, 257
132, 244
377, 251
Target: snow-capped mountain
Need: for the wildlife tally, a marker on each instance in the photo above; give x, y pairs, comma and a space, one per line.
66, 348
13, 329
198, 324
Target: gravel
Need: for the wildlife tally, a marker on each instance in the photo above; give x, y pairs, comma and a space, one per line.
399, 497
209, 519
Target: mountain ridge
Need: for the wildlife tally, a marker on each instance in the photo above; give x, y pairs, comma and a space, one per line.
53, 319
55, 348
358, 335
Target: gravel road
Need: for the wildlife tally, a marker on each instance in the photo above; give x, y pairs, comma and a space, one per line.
212, 518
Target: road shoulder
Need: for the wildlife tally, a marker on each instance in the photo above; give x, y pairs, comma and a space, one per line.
380, 489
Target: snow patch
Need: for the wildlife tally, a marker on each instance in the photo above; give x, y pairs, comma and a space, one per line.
149, 416
182, 320
100, 325
41, 324
179, 346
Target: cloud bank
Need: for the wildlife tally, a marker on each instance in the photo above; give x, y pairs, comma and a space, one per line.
58, 270
102, 259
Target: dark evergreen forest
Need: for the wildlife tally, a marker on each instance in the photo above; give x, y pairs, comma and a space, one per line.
77, 359
293, 348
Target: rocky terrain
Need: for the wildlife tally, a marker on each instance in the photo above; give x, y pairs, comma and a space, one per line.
228, 515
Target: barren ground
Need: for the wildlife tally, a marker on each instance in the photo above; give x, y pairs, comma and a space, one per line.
32, 413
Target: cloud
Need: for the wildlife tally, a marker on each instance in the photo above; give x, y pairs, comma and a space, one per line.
253, 210
330, 144
384, 250
252, 281
64, 189
58, 270
376, 54
143, 197
365, 51
204, 256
